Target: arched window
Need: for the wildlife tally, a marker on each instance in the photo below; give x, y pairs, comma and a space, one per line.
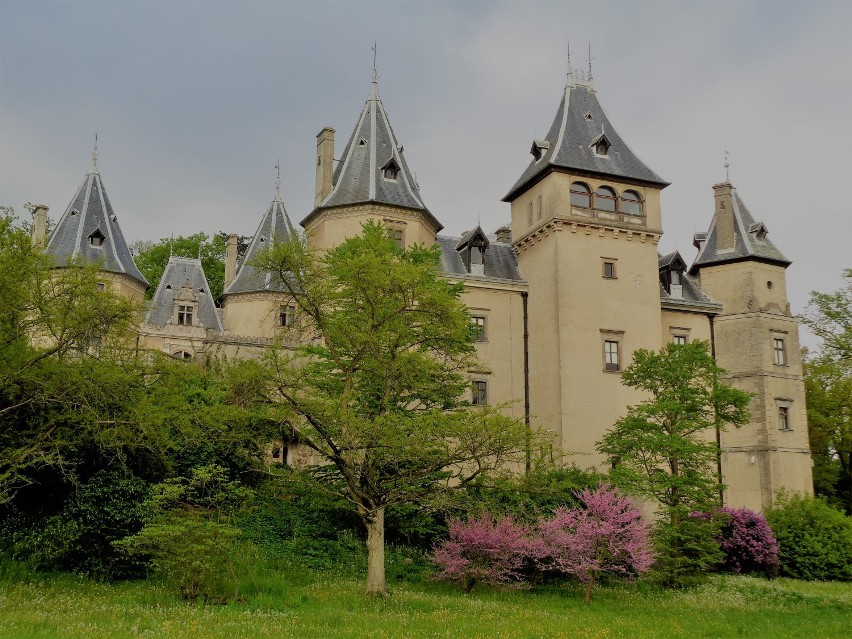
182, 355
581, 195
631, 203
605, 199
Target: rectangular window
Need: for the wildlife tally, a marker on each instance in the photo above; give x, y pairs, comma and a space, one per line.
779, 351
609, 269
101, 286
611, 358
398, 236
679, 339
784, 417
479, 327
287, 315
185, 314
480, 393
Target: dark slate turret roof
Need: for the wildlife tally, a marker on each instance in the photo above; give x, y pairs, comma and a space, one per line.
692, 297
359, 175
89, 214
184, 279
274, 227
579, 124
500, 260
750, 240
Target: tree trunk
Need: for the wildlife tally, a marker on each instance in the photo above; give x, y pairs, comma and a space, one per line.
589, 586
375, 524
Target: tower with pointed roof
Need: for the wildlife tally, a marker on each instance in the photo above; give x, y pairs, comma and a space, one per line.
88, 232
254, 302
585, 223
757, 342
372, 181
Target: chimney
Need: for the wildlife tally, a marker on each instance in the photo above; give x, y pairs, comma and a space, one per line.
504, 234
325, 164
230, 259
724, 217
39, 231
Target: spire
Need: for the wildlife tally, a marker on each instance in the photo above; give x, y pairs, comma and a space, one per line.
569, 80
372, 168
278, 181
88, 230
374, 91
573, 142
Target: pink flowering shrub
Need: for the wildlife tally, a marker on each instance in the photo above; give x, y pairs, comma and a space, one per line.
606, 537
484, 550
748, 542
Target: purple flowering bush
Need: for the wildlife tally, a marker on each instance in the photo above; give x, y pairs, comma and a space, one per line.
748, 542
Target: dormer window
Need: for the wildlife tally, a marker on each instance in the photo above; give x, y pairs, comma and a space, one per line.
390, 169
588, 116
362, 142
601, 146
539, 148
472, 248
96, 238
759, 230
184, 314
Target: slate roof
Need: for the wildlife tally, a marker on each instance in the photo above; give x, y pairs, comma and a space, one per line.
274, 227
579, 123
500, 261
359, 175
747, 241
181, 272
90, 213
693, 297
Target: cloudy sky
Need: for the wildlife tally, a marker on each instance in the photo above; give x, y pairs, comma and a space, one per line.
194, 102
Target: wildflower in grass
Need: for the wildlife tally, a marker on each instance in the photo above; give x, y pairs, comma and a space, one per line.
484, 550
607, 536
748, 542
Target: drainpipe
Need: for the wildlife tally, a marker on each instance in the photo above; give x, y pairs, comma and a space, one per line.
528, 465
718, 428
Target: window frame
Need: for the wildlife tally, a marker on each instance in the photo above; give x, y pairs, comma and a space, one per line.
784, 414
779, 353
185, 314
480, 324
613, 264
286, 315
587, 194
479, 392
613, 198
638, 202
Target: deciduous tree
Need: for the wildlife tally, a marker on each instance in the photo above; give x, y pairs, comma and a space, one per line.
378, 391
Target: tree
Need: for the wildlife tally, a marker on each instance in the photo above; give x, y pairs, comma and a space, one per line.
484, 550
375, 375
607, 535
665, 448
828, 389
152, 257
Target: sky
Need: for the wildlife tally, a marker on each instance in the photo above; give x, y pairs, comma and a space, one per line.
195, 102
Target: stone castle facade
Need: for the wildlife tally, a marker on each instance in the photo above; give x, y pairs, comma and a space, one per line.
561, 297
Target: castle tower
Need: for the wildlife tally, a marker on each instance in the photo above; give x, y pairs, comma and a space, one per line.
254, 303
88, 231
757, 342
372, 181
585, 223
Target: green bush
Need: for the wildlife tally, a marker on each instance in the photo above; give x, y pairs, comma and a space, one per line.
687, 552
814, 539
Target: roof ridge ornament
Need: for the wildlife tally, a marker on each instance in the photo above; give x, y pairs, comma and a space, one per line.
374, 91
569, 80
95, 156
727, 167
278, 180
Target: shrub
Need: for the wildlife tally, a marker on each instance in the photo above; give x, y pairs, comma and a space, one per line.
814, 539
606, 536
484, 550
688, 552
748, 542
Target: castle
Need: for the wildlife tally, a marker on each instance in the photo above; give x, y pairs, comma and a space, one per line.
560, 298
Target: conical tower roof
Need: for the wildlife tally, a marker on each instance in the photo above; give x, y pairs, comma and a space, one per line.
274, 227
580, 131
89, 231
749, 238
184, 279
372, 168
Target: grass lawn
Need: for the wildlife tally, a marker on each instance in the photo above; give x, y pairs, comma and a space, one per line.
317, 606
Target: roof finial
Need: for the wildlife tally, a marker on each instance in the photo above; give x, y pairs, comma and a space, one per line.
375, 76
590, 62
171, 243
570, 74
727, 167
278, 179
95, 155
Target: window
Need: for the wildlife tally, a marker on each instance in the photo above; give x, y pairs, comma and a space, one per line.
286, 315
96, 238
539, 207
611, 358
480, 393
390, 170
631, 203
529, 215
101, 286
679, 339
397, 235
784, 415
601, 146
605, 199
182, 355
478, 322
609, 269
184, 317
581, 195
779, 352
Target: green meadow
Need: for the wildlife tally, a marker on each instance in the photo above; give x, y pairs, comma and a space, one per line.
317, 605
